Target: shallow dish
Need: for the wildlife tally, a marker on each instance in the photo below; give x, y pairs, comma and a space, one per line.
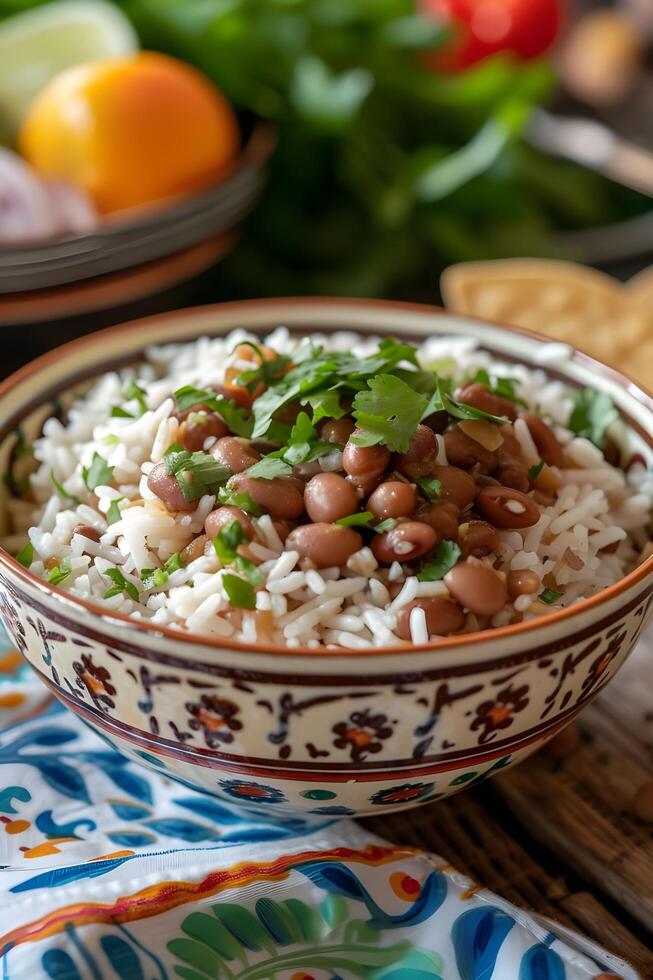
292, 730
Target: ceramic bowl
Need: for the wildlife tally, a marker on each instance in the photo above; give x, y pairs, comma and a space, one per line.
290, 730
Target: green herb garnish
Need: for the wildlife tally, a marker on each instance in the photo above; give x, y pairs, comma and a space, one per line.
443, 399
120, 413
196, 473
25, 556
388, 413
113, 513
593, 411
132, 392
98, 474
173, 563
431, 488
446, 554
534, 471
504, 387
231, 497
550, 596
153, 577
364, 518
58, 573
269, 468
62, 491
241, 594
266, 372
229, 538
238, 420
120, 585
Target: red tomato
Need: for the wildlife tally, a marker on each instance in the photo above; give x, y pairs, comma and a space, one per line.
527, 28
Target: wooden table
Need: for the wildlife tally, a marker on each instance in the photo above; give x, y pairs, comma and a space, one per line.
557, 837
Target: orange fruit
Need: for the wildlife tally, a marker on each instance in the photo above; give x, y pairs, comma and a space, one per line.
131, 130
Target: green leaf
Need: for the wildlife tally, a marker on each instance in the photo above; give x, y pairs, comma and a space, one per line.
131, 391
593, 411
113, 513
199, 956
173, 563
325, 405
59, 573
120, 413
208, 930
120, 585
362, 519
62, 491
25, 556
196, 473
445, 556
231, 497
327, 100
269, 468
227, 541
98, 474
534, 471
458, 409
236, 418
279, 921
153, 577
389, 412
244, 927
550, 596
430, 487
504, 387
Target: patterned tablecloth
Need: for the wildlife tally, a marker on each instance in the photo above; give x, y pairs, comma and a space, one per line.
112, 871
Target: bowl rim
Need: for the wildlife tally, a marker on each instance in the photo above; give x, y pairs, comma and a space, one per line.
453, 643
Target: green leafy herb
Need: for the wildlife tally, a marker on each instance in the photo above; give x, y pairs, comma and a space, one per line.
504, 387
62, 491
227, 542
120, 585
98, 474
25, 556
238, 420
385, 525
550, 596
389, 412
534, 471
59, 573
241, 593
325, 405
120, 413
269, 468
196, 473
111, 439
446, 554
431, 488
153, 577
445, 400
173, 563
364, 518
231, 497
131, 391
593, 411
113, 513
267, 370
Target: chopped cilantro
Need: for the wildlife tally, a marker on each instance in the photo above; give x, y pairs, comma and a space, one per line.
196, 473
227, 542
120, 585
550, 596
269, 468
362, 519
229, 496
593, 411
120, 413
62, 491
113, 513
325, 405
238, 419
153, 577
241, 593
504, 387
446, 554
111, 439
431, 488
388, 413
534, 471
25, 556
98, 474
386, 525
173, 563
266, 371
443, 399
132, 392
58, 573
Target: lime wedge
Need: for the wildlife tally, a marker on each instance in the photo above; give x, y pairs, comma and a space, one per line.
38, 44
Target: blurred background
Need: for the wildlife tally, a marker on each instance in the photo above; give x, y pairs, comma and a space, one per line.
162, 153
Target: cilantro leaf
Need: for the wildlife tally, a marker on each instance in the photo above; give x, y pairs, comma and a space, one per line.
504, 387
269, 468
534, 471
228, 540
362, 519
58, 573
120, 585
458, 409
430, 487
229, 496
389, 412
593, 411
325, 405
153, 577
120, 413
446, 554
113, 513
241, 594
196, 473
550, 596
237, 418
267, 370
173, 563
62, 491
98, 474
132, 392
25, 556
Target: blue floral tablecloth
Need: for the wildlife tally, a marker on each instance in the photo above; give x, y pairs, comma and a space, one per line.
109, 870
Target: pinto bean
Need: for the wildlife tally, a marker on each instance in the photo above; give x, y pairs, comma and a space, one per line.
235, 452
456, 485
544, 438
465, 452
442, 516
234, 393
392, 499
477, 538
199, 426
222, 516
167, 489
421, 454
405, 542
86, 531
337, 430
507, 508
437, 421
442, 616
194, 549
511, 470
328, 497
325, 544
477, 588
283, 528
364, 463
479, 396
281, 497
523, 581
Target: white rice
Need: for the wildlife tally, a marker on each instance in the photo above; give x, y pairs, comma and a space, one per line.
598, 506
